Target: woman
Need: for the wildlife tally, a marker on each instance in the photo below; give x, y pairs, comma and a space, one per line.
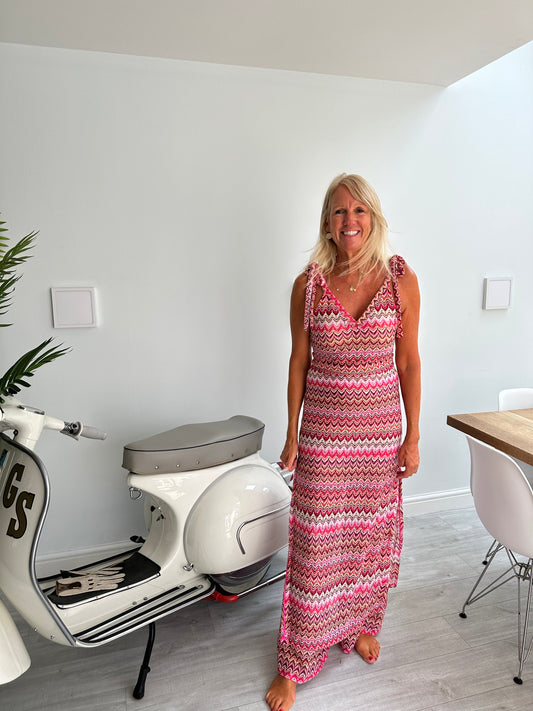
354, 324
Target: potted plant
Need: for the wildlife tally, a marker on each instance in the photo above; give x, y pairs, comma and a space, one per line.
11, 258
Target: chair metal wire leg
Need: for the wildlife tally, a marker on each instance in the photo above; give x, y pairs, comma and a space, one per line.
525, 574
494, 546
507, 575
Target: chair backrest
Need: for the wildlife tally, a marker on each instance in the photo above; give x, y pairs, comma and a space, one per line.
502, 496
515, 399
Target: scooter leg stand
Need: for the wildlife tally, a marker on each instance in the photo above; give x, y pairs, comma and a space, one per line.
138, 692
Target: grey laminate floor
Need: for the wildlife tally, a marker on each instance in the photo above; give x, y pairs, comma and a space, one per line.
221, 657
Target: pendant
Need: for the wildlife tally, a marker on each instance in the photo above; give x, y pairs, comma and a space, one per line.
353, 288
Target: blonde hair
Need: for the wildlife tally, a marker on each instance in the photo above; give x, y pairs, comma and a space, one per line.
375, 250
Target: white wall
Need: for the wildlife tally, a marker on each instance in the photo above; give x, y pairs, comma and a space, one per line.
188, 195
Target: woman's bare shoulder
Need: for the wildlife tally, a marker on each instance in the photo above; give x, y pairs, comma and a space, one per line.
300, 282
408, 285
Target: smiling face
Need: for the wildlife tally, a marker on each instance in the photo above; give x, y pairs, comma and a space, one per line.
349, 222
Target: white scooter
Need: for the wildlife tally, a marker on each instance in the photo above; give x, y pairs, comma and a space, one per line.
216, 513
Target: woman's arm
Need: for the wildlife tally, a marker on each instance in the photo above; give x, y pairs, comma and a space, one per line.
408, 365
298, 367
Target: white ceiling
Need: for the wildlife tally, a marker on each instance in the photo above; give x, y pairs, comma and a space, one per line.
425, 41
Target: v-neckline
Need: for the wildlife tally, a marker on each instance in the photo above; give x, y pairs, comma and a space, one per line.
345, 310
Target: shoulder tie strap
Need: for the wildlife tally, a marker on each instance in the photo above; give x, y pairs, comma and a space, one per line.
313, 273
397, 269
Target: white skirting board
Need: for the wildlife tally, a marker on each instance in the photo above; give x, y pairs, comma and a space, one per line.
438, 501
413, 505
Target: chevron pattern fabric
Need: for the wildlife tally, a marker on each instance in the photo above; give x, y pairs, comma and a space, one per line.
345, 526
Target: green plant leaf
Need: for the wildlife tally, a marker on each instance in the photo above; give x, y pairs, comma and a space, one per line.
11, 258
15, 377
7, 286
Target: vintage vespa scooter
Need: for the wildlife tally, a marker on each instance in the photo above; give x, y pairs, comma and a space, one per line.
216, 513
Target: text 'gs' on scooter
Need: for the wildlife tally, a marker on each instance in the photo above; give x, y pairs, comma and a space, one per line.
216, 513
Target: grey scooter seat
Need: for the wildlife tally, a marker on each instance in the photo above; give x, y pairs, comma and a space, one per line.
195, 446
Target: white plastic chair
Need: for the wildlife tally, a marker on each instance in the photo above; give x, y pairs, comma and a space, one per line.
503, 499
513, 399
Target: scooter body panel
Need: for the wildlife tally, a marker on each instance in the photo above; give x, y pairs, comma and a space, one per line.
24, 498
14, 658
197, 511
226, 528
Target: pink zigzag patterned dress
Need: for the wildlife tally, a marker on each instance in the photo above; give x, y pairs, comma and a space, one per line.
345, 526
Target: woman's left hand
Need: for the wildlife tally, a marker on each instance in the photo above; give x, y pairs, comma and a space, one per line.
408, 459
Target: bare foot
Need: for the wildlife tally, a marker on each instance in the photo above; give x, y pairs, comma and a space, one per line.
281, 695
367, 647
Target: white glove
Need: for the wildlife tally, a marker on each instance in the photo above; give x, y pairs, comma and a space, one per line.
77, 583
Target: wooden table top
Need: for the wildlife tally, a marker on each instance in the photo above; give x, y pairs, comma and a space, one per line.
510, 431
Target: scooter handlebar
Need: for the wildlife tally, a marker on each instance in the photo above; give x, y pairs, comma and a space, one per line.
77, 430
29, 422
92, 433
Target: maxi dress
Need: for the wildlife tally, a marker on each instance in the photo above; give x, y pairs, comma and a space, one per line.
346, 523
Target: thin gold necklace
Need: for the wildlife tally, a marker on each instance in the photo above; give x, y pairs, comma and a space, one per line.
351, 287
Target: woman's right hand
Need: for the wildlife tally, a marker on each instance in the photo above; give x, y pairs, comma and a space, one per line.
289, 454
